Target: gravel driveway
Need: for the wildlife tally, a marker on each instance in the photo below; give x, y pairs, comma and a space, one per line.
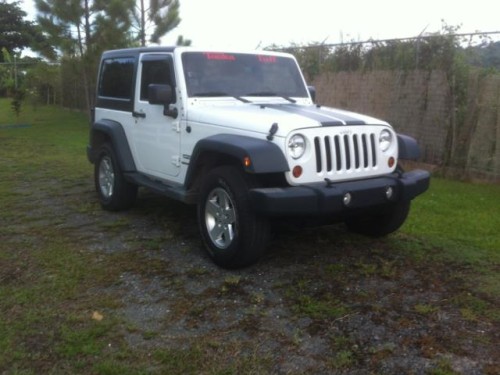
321, 301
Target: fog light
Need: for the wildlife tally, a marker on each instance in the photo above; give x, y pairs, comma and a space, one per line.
389, 192
297, 171
347, 199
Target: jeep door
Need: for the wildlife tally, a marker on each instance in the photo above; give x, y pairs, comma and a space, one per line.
156, 139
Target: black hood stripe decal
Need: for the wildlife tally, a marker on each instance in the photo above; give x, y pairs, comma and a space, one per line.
314, 113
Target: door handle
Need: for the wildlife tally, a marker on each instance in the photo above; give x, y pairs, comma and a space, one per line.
139, 114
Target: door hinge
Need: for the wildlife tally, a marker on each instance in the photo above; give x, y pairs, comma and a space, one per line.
176, 160
177, 126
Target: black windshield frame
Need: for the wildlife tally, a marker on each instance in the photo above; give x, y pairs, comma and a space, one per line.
242, 74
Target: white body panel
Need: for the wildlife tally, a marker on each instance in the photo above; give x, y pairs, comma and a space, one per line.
155, 138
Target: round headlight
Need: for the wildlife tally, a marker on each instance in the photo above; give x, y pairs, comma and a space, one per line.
385, 140
297, 146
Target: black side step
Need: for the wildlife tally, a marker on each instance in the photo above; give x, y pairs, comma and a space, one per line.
177, 193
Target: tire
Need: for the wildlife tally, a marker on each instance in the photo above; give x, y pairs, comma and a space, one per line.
381, 224
233, 235
115, 193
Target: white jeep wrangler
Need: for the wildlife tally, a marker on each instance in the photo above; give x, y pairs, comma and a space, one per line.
238, 134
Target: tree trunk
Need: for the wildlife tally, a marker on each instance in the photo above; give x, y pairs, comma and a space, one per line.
88, 51
143, 25
87, 24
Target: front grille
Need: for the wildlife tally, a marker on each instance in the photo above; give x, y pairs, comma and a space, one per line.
343, 153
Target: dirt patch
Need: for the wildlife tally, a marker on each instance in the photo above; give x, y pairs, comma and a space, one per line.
320, 301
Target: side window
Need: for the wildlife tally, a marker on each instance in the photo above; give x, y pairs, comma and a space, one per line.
154, 71
116, 78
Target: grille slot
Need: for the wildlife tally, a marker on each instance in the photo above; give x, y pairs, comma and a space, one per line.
338, 154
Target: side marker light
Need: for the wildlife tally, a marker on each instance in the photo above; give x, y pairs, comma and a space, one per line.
247, 162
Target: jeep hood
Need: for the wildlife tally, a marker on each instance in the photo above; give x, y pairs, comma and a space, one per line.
259, 117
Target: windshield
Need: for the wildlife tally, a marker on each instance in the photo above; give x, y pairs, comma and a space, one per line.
237, 75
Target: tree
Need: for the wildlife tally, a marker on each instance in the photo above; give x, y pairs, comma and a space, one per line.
183, 42
486, 55
17, 34
43, 82
17, 102
14, 31
77, 27
162, 16
82, 29
7, 73
9, 83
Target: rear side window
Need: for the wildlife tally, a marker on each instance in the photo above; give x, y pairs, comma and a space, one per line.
116, 78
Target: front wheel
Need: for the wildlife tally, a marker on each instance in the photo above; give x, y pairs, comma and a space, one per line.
380, 224
233, 235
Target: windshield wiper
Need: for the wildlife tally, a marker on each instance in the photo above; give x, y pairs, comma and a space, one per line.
220, 93
269, 93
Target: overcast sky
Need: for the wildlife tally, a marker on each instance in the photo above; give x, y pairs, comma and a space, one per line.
251, 23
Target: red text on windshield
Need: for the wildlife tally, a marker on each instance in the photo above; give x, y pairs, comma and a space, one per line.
267, 59
219, 56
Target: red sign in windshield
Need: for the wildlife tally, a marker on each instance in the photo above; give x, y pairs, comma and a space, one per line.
219, 56
267, 59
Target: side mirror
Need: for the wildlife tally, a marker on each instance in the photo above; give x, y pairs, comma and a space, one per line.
160, 94
312, 92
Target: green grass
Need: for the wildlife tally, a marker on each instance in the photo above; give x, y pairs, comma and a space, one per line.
42, 269
458, 223
46, 272
462, 218
55, 136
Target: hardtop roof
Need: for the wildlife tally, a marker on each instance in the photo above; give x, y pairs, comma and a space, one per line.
128, 52
136, 51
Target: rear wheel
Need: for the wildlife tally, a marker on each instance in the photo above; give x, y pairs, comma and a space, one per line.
115, 193
380, 224
233, 235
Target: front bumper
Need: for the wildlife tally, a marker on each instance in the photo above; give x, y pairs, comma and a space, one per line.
320, 199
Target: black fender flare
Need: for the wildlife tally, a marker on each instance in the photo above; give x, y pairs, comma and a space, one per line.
408, 148
114, 131
265, 156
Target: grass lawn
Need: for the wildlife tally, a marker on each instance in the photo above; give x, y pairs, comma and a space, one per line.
49, 278
461, 222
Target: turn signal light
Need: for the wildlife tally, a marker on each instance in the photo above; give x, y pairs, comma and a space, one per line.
247, 162
391, 162
297, 171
